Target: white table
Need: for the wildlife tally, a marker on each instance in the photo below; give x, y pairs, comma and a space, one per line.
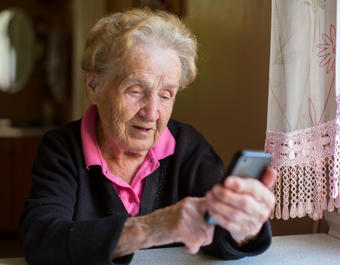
314, 249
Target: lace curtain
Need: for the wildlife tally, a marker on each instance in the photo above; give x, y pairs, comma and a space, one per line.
303, 126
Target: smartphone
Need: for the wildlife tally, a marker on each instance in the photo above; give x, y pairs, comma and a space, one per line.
245, 164
249, 164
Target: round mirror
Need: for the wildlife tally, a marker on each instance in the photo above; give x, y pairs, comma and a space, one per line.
16, 49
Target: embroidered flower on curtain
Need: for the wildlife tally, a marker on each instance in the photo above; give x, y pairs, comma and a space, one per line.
328, 50
327, 53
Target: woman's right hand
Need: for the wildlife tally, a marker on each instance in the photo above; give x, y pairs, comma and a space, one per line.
182, 222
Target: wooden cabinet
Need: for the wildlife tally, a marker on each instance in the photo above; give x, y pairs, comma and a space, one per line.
47, 94
16, 156
38, 104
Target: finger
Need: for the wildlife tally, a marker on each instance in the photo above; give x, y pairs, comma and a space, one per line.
193, 237
195, 231
210, 237
223, 221
221, 198
198, 215
192, 241
196, 219
269, 177
191, 249
237, 210
237, 229
251, 187
200, 205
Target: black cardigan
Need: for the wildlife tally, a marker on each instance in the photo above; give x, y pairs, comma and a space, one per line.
74, 215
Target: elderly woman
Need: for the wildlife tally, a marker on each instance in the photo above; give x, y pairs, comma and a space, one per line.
126, 177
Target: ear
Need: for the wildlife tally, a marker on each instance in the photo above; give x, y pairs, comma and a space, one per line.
92, 87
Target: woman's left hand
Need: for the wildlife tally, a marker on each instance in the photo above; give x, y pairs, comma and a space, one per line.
242, 205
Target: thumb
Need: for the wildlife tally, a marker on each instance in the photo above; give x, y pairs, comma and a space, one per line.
269, 177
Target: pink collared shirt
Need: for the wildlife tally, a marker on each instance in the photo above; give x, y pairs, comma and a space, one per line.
130, 195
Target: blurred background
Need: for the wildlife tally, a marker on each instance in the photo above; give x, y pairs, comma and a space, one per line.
42, 85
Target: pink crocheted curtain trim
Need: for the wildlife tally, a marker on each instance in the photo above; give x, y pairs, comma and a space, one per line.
308, 165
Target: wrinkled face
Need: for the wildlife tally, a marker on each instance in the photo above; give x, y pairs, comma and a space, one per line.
135, 105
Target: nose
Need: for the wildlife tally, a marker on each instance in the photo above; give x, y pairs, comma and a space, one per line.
150, 110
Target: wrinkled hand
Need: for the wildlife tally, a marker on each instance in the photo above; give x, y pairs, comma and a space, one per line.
182, 222
242, 205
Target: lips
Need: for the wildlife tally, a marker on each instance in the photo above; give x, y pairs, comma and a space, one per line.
142, 128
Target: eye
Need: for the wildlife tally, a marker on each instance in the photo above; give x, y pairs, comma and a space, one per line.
134, 90
165, 95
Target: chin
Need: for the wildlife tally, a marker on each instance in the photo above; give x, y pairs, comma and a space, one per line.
137, 146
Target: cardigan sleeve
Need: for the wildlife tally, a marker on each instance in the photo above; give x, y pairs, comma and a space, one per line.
225, 247
202, 169
49, 235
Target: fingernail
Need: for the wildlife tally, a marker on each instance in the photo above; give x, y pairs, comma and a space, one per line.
273, 169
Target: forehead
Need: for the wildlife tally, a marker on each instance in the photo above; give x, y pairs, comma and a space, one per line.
151, 63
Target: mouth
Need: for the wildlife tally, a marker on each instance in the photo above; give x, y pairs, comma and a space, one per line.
143, 129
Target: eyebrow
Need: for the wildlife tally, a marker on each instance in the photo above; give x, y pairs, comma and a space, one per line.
172, 87
136, 79
147, 84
